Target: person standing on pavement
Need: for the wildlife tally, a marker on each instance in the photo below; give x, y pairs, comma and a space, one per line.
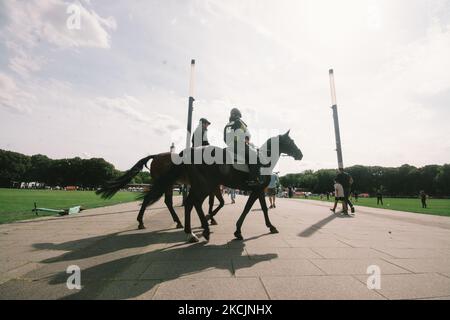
232, 193
272, 189
339, 196
423, 199
346, 181
379, 197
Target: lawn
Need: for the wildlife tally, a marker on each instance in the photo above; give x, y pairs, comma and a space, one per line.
439, 207
16, 204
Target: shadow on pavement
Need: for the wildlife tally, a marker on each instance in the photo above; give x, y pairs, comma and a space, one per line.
107, 281
315, 227
100, 245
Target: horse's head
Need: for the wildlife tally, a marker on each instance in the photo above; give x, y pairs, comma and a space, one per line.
288, 146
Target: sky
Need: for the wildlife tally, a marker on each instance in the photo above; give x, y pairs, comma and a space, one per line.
111, 79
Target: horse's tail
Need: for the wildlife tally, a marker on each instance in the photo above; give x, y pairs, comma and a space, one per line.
161, 184
111, 187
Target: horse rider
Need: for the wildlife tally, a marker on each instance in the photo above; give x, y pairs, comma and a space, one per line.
200, 136
236, 135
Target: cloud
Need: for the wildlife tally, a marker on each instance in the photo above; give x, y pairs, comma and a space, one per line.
24, 63
34, 21
31, 25
12, 98
131, 107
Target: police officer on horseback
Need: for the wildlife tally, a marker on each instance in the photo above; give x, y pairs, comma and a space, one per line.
200, 136
237, 138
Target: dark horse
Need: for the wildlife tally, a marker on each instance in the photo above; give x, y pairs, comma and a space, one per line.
204, 178
159, 166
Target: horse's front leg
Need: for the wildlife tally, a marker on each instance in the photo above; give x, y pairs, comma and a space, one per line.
262, 201
251, 200
169, 203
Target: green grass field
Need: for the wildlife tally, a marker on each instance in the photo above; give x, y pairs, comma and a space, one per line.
440, 207
16, 204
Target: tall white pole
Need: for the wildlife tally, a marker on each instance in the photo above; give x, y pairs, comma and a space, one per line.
189, 119
336, 121
190, 105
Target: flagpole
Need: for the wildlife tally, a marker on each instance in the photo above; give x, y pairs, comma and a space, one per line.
189, 119
336, 121
190, 105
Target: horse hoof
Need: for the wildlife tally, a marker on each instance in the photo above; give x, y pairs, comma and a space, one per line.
238, 236
179, 225
213, 222
273, 230
141, 226
192, 238
206, 234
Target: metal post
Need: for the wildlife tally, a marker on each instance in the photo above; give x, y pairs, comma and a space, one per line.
189, 119
190, 106
336, 121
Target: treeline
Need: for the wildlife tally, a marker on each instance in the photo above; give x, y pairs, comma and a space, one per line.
402, 181
85, 173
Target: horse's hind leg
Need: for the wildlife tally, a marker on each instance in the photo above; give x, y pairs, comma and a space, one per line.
188, 205
219, 196
262, 201
211, 203
251, 200
169, 203
198, 206
140, 216
212, 213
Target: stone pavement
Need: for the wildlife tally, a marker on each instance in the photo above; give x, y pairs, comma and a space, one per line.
316, 255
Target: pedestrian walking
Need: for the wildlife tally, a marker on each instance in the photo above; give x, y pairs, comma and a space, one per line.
338, 196
346, 181
272, 190
379, 197
423, 199
232, 193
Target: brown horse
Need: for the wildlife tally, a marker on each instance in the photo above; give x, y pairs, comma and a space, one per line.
204, 178
160, 165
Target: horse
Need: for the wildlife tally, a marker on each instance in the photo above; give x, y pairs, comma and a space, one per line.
159, 166
204, 178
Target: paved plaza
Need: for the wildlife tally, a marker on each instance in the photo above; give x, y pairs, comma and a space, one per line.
316, 255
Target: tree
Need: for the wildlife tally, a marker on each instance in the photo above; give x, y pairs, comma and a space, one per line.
443, 180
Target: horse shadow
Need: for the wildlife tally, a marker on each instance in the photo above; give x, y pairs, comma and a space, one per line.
106, 280
100, 245
133, 275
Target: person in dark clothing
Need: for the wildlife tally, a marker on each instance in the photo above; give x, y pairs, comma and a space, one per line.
237, 137
379, 197
346, 181
200, 136
423, 199
290, 192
